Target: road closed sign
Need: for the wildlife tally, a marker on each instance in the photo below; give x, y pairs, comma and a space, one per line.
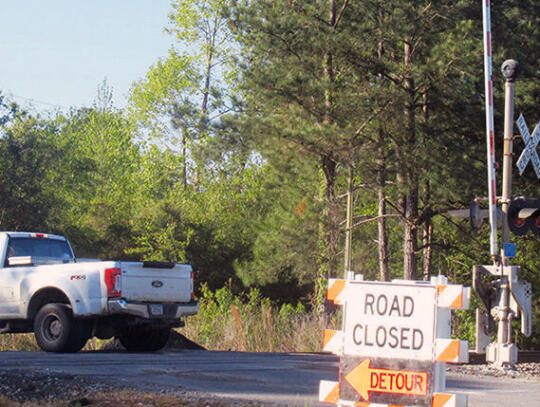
394, 341
390, 320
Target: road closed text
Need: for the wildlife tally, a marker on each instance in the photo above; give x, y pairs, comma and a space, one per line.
390, 322
388, 336
393, 337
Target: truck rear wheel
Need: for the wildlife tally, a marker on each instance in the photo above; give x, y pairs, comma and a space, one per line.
144, 340
56, 330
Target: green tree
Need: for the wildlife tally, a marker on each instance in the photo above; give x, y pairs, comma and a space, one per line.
95, 180
8, 111
302, 93
185, 93
282, 261
210, 228
346, 82
163, 103
26, 154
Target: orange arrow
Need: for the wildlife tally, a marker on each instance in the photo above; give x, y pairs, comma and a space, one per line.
365, 379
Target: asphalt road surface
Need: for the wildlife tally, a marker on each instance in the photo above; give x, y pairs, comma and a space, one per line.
269, 378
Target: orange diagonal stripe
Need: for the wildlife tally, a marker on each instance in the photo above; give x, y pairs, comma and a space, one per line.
458, 302
327, 337
335, 289
440, 289
440, 399
450, 353
333, 396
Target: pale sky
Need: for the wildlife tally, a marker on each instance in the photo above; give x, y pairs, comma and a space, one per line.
55, 53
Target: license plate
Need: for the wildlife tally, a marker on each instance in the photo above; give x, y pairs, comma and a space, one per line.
156, 309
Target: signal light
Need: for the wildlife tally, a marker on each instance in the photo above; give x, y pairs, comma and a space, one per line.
476, 215
524, 215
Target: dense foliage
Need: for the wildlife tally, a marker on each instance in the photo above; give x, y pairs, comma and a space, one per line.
235, 149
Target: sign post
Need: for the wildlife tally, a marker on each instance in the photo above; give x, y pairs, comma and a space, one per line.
394, 343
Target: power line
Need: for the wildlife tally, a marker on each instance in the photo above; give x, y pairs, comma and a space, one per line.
39, 102
33, 104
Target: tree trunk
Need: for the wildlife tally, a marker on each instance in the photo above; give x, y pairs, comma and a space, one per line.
329, 225
410, 242
428, 250
382, 242
208, 73
428, 225
381, 221
330, 230
203, 124
349, 219
410, 238
184, 160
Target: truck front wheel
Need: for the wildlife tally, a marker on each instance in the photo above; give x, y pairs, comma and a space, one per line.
56, 330
144, 340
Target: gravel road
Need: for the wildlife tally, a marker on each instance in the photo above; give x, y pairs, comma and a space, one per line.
266, 378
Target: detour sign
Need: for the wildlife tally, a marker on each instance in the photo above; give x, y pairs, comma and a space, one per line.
365, 379
381, 380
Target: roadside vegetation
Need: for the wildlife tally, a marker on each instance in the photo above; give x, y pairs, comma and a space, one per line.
17, 342
235, 152
227, 323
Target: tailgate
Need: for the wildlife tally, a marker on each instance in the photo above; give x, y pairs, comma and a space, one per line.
156, 282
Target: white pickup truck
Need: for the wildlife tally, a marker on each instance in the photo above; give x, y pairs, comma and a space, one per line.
65, 300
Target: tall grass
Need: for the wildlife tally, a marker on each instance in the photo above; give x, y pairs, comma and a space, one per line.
27, 342
226, 322
14, 342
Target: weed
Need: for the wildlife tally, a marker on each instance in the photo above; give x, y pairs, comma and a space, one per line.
226, 322
17, 342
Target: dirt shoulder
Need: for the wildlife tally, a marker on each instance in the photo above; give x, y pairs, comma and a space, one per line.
24, 389
524, 371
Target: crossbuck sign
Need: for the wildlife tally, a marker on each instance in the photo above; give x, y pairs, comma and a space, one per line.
531, 141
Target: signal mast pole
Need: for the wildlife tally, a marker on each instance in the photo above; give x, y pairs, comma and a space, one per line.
510, 70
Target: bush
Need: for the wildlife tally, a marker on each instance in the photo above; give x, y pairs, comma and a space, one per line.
252, 323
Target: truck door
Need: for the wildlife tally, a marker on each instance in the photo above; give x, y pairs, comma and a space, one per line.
10, 282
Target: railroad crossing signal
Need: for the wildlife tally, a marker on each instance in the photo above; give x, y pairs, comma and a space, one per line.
475, 214
531, 141
524, 215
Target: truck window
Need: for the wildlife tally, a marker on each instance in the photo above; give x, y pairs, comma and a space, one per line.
27, 246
